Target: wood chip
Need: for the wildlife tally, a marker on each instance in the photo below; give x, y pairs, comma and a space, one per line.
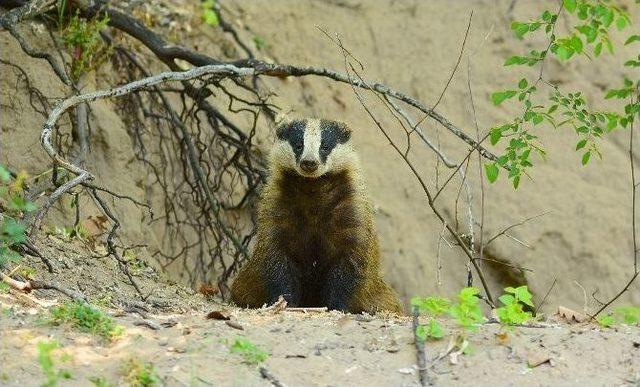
235, 325
571, 316
536, 358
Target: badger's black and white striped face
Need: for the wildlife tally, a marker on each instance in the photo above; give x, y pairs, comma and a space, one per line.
313, 147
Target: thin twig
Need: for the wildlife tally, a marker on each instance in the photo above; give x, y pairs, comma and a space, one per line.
265, 373
504, 231
544, 299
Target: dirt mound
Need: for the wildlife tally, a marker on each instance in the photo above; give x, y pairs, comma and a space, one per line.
310, 349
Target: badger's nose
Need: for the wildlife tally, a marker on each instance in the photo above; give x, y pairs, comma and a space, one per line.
309, 165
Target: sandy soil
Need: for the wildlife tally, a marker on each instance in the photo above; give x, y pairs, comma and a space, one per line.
317, 349
305, 349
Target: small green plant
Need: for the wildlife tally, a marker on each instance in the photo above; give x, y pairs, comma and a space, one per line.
259, 42
466, 312
13, 207
45, 358
83, 38
86, 318
249, 351
209, 14
629, 315
514, 301
433, 307
140, 373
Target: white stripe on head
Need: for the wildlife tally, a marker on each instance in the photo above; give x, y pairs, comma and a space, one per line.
312, 140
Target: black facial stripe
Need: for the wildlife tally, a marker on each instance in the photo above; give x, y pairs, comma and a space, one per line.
293, 132
332, 134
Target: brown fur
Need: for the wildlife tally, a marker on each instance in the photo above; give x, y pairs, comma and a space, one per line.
300, 218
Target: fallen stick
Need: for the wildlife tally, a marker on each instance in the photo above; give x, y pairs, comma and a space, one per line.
420, 355
307, 310
270, 377
30, 285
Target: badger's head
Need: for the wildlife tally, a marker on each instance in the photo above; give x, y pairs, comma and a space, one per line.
312, 147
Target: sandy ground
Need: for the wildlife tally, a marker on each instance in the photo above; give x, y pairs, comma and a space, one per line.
304, 349
317, 349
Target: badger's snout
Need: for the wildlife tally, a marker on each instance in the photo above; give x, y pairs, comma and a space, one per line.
308, 166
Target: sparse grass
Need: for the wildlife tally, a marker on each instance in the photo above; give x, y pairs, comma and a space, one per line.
138, 373
629, 315
259, 42
45, 358
83, 38
249, 351
100, 381
86, 318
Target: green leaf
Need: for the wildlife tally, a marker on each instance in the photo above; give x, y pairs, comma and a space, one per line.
630, 314
598, 49
606, 321
632, 38
433, 305
621, 23
516, 182
507, 299
435, 329
495, 135
516, 60
570, 5
523, 295
576, 44
210, 17
14, 230
586, 157
501, 96
421, 333
581, 144
523, 83
520, 29
564, 52
18, 203
492, 172
5, 176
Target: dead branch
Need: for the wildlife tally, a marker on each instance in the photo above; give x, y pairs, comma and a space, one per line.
30, 285
220, 71
169, 53
421, 357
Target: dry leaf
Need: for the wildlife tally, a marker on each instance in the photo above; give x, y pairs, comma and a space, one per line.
503, 338
217, 315
571, 316
208, 290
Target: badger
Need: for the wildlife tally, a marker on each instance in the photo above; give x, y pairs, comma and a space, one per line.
316, 243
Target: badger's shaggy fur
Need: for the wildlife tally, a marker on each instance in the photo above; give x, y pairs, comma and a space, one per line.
316, 241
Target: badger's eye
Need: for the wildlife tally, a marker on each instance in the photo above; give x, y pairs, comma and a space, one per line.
298, 146
324, 148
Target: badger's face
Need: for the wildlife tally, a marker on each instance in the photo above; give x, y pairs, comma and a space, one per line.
313, 147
